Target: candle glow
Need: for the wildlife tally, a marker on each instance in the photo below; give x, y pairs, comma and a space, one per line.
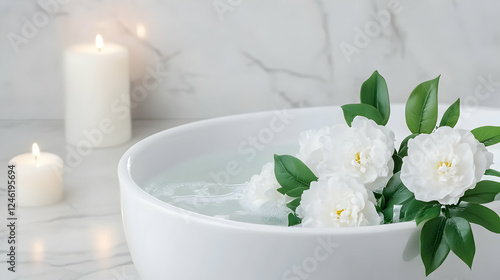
99, 43
35, 150
140, 30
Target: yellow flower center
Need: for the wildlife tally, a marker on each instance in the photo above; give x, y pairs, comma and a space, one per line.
339, 212
357, 158
447, 170
444, 164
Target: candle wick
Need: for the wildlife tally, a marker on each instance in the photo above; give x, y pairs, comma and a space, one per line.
99, 49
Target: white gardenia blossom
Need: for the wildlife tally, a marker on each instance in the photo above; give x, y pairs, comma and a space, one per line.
262, 190
338, 202
444, 164
311, 147
363, 151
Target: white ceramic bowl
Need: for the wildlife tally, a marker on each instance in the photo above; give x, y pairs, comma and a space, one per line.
167, 242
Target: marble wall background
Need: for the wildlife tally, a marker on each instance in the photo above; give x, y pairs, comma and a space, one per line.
219, 57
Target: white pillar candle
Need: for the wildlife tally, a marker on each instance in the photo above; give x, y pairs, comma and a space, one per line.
97, 95
38, 178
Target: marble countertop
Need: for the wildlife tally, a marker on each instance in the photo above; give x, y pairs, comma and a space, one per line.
82, 236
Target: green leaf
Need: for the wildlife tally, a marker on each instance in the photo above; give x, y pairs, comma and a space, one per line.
365, 110
411, 209
294, 204
374, 92
488, 135
492, 172
395, 193
459, 237
293, 220
477, 214
398, 162
403, 149
293, 175
452, 114
393, 185
428, 212
422, 107
380, 201
433, 246
484, 192
416, 208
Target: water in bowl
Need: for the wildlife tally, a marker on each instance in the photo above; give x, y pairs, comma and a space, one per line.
189, 185
216, 200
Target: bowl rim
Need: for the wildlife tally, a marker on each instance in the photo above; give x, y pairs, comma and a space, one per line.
128, 183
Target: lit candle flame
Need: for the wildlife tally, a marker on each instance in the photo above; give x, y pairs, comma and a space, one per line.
35, 150
99, 43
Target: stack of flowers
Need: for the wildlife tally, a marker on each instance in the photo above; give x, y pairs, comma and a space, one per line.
351, 175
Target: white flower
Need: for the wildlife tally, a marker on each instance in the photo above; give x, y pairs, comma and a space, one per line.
262, 190
311, 144
444, 164
363, 151
337, 202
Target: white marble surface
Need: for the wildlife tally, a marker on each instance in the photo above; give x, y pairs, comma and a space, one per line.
251, 54
82, 236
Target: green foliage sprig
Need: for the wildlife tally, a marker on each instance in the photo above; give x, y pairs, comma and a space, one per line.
445, 227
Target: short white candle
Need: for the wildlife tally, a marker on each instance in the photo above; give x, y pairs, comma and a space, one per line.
38, 178
97, 95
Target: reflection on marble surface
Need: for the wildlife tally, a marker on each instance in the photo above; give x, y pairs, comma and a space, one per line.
254, 55
82, 236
